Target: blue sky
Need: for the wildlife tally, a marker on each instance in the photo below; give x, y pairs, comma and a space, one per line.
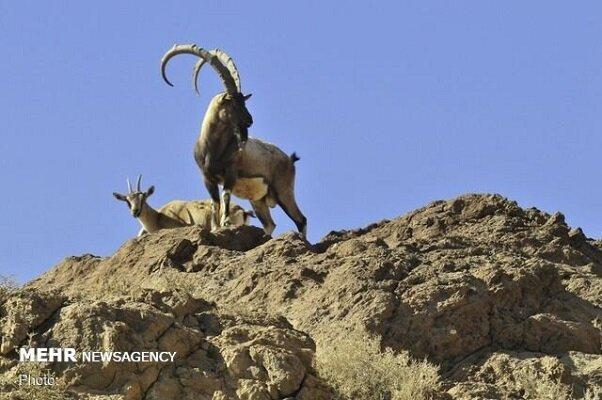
389, 104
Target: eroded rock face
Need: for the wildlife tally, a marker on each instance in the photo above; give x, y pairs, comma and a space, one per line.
472, 283
217, 356
24, 313
515, 375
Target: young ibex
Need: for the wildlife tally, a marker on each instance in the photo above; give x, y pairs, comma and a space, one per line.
250, 168
176, 213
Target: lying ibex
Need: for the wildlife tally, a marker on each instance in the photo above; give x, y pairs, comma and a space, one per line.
176, 213
250, 168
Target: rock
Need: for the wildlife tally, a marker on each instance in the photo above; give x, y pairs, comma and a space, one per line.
255, 361
26, 314
549, 334
504, 374
476, 284
242, 238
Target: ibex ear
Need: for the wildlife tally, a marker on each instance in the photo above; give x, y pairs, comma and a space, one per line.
119, 196
150, 191
247, 96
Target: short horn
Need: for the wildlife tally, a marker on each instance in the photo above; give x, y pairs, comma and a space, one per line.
138, 183
216, 59
129, 185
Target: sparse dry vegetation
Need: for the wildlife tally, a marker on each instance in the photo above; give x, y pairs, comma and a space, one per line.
538, 387
7, 286
356, 368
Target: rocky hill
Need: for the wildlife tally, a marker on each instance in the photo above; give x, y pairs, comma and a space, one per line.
482, 288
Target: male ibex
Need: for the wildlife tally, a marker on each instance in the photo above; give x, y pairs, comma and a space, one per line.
250, 168
176, 213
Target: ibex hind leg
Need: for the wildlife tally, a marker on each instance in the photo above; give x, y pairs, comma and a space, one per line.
289, 205
262, 210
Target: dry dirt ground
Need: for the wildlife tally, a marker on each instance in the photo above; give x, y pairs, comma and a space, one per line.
477, 285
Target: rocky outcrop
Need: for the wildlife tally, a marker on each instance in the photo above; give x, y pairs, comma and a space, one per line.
475, 284
218, 356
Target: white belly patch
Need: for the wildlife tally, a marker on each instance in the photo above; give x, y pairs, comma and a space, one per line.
250, 188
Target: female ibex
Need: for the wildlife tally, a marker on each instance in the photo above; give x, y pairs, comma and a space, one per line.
175, 214
250, 168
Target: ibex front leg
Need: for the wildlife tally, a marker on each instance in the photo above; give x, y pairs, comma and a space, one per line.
229, 181
213, 189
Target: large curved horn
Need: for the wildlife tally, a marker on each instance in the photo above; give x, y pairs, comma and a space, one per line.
226, 60
138, 183
229, 63
195, 74
212, 58
129, 185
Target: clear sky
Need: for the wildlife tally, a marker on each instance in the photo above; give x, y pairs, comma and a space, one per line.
390, 104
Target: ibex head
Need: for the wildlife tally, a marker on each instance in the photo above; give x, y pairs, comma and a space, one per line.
136, 200
231, 103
